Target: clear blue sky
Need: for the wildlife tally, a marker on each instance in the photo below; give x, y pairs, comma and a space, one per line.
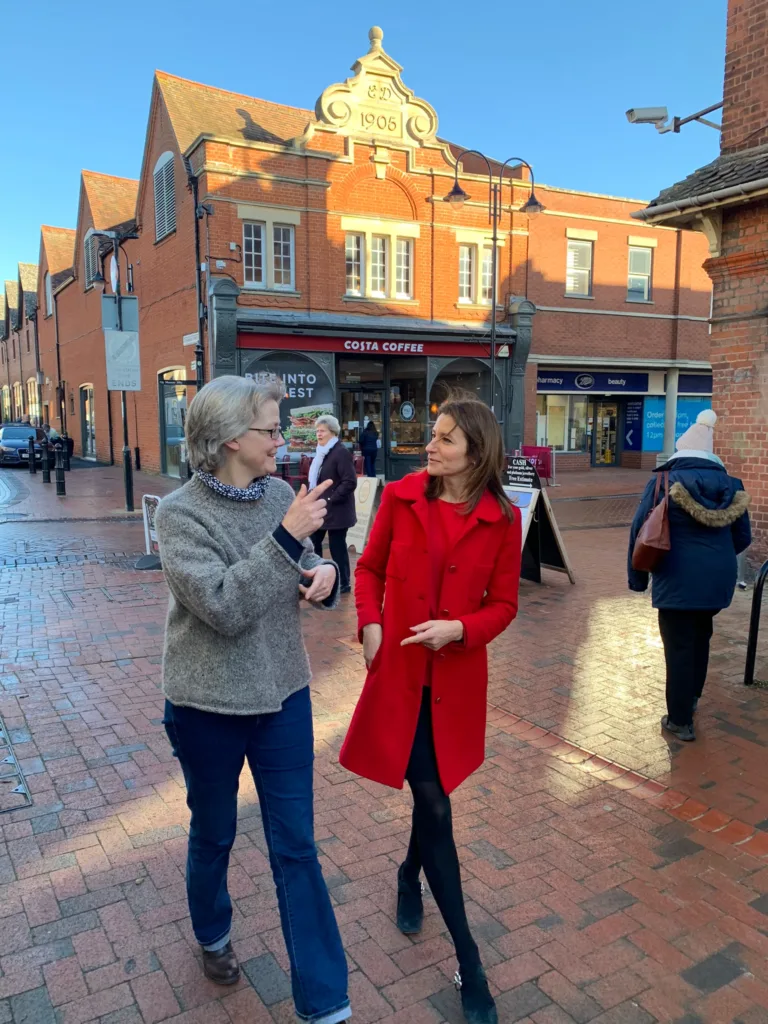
548, 81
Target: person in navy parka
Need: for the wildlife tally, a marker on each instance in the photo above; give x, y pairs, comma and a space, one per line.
709, 526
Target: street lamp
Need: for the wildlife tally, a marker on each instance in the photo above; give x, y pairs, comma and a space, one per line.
457, 197
98, 279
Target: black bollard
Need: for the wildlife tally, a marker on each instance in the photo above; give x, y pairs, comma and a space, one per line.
32, 466
61, 484
46, 462
65, 442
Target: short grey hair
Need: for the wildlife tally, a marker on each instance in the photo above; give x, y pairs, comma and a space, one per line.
329, 421
221, 411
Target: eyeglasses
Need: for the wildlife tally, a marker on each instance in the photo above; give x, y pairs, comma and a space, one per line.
273, 432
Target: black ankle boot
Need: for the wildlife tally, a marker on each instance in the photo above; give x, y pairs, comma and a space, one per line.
476, 999
410, 906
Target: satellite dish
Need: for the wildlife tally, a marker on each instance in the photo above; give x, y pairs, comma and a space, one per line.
113, 273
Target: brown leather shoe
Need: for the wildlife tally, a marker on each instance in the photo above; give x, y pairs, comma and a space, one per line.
221, 965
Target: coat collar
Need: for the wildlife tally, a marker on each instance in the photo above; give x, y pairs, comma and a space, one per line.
412, 488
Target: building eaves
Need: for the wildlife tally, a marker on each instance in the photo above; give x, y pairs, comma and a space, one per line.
730, 177
112, 200
28, 283
330, 323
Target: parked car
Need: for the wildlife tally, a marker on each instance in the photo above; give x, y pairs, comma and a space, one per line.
14, 444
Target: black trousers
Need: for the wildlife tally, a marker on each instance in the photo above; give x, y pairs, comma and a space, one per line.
337, 542
686, 636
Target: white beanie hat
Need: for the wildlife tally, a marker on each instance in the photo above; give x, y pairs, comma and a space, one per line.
700, 436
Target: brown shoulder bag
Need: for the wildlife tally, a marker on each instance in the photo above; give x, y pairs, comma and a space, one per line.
653, 539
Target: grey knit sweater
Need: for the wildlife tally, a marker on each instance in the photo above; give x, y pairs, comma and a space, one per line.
233, 642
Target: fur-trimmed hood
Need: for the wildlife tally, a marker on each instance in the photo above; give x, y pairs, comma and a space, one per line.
712, 517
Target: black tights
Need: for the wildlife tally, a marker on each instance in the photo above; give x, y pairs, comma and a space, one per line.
432, 844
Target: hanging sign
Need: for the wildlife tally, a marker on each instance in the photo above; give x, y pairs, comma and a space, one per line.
123, 362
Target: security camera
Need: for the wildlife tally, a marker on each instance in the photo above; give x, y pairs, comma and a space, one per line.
647, 115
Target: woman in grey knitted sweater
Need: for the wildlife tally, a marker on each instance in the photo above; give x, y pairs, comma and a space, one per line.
234, 547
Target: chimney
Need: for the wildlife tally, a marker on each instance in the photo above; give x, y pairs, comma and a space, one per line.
745, 90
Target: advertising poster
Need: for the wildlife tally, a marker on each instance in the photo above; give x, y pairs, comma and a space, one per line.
308, 395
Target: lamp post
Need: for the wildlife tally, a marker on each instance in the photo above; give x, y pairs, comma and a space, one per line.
98, 279
457, 196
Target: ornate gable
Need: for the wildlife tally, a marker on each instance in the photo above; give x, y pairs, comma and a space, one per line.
375, 106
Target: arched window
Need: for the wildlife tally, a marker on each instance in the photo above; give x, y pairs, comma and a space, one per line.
33, 406
165, 196
7, 415
18, 401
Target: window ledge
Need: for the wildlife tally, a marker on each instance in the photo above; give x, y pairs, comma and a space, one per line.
569, 295
379, 301
640, 302
486, 306
159, 241
285, 292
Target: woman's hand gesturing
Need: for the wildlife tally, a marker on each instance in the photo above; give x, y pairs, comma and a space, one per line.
307, 511
436, 633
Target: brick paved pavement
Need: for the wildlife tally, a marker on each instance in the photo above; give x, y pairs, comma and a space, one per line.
597, 895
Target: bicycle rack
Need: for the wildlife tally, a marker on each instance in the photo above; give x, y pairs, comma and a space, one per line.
754, 625
10, 772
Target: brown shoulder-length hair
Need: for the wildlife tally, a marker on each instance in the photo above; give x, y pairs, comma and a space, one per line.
485, 450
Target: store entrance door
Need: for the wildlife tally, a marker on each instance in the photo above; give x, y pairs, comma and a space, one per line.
358, 409
605, 434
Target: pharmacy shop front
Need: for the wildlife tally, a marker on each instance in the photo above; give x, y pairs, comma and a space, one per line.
612, 417
395, 385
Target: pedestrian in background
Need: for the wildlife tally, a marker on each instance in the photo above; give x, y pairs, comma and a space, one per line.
334, 462
369, 447
708, 526
437, 581
237, 559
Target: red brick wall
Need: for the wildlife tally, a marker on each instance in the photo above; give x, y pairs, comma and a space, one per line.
745, 91
46, 336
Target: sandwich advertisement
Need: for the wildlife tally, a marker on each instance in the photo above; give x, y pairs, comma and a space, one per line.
308, 394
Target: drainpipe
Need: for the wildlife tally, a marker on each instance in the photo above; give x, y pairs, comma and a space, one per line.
38, 371
201, 309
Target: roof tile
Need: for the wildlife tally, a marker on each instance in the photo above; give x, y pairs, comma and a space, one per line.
727, 170
112, 200
59, 246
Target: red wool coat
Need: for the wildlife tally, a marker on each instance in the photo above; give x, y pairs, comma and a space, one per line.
392, 582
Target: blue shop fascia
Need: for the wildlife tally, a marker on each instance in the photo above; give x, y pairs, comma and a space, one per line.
616, 416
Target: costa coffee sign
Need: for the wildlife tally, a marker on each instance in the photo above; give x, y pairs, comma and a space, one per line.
368, 346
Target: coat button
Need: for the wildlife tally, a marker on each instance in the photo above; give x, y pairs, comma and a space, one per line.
437, 700
445, 612
451, 568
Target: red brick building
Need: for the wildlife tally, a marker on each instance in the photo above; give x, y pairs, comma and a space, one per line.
315, 244
57, 248
728, 202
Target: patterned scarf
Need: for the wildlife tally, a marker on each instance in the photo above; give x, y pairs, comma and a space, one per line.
255, 490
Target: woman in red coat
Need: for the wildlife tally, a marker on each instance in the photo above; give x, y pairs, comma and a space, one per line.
437, 581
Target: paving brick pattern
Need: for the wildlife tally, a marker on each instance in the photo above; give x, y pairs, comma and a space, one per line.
611, 875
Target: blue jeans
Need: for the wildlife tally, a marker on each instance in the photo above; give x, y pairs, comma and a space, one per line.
212, 750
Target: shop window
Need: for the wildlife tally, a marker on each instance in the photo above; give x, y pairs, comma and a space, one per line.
7, 414
563, 422
578, 277
403, 269
407, 406
466, 273
18, 401
462, 375
165, 196
363, 370
639, 277
173, 415
33, 406
355, 255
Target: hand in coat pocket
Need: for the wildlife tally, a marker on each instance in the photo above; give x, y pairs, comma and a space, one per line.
372, 638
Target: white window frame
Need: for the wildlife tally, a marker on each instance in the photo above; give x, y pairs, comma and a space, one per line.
270, 217
403, 270
479, 244
648, 277
255, 227
290, 285
164, 184
486, 254
392, 233
575, 242
48, 284
352, 240
384, 250
467, 274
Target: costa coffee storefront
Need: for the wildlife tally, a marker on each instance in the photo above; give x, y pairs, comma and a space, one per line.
397, 385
